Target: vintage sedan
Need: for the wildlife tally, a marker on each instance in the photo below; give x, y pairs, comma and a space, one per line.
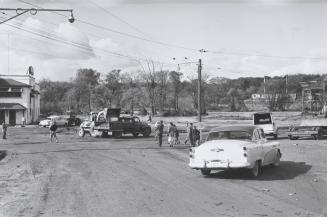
60, 121
235, 147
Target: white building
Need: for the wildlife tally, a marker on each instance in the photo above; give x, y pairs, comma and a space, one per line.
19, 97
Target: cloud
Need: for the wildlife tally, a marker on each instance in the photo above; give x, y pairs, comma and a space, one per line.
62, 42
74, 43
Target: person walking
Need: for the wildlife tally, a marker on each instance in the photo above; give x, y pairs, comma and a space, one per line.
4, 130
176, 135
189, 137
159, 131
156, 130
196, 136
53, 131
171, 134
23, 121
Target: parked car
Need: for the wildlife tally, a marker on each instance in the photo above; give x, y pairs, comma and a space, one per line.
235, 147
266, 122
60, 121
74, 121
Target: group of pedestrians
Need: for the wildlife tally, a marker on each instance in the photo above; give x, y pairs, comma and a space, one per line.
173, 135
193, 134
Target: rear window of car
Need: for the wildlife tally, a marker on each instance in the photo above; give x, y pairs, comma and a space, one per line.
236, 135
262, 119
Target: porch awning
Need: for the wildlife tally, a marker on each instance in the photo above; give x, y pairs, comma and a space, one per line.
11, 106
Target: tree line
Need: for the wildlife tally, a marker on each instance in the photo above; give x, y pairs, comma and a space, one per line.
157, 91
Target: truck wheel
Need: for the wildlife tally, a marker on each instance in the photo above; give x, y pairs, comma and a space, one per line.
292, 137
135, 134
117, 134
147, 132
205, 172
104, 134
256, 169
81, 132
275, 136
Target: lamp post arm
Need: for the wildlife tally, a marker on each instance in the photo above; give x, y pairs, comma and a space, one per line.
33, 11
18, 14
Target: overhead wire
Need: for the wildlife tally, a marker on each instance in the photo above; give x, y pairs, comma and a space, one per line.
120, 19
118, 32
184, 47
128, 24
80, 46
264, 55
84, 47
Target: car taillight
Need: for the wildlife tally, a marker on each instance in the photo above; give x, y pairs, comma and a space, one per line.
244, 149
192, 153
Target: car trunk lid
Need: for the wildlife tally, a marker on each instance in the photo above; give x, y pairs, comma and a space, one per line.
221, 150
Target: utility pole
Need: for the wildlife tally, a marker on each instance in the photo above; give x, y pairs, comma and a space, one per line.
8, 54
286, 84
199, 90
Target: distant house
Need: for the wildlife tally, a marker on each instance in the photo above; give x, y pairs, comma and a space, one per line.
265, 97
19, 97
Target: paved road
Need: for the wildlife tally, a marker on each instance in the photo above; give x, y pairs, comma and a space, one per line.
133, 177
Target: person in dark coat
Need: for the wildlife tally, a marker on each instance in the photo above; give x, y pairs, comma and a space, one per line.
4, 130
196, 136
159, 132
53, 131
176, 135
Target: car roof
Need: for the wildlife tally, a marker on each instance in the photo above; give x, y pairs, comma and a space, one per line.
246, 128
261, 113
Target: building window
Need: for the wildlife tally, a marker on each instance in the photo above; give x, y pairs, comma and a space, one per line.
10, 94
4, 89
14, 89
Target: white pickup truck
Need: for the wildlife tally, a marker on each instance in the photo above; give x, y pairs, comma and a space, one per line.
265, 121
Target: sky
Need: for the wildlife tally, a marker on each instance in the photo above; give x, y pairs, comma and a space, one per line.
242, 37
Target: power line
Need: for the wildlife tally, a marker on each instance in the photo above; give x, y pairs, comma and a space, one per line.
80, 46
120, 33
84, 47
263, 55
120, 19
183, 47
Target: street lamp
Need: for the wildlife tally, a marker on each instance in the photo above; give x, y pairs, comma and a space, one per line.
33, 11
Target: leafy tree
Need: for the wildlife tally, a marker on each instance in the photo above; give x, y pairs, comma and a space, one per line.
84, 84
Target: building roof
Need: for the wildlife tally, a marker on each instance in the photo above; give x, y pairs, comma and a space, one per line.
11, 106
245, 128
8, 82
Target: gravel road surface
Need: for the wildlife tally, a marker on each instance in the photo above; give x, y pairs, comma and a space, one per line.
91, 177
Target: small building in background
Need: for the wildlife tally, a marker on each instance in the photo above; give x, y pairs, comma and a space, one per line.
19, 99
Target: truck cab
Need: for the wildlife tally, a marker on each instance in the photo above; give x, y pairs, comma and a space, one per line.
265, 121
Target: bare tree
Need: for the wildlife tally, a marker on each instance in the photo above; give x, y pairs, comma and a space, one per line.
149, 76
162, 88
175, 79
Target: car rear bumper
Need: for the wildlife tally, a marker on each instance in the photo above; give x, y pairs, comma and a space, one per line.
217, 164
270, 133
